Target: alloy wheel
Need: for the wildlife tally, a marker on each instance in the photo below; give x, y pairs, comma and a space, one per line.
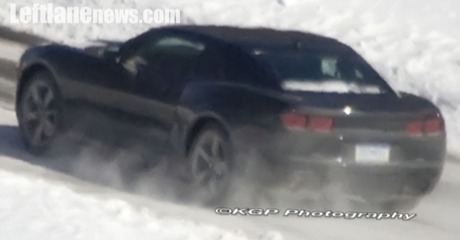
39, 113
210, 163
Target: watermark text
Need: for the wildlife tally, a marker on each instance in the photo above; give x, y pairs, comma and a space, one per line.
302, 213
54, 14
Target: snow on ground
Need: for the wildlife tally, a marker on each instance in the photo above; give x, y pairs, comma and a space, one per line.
415, 44
13, 52
37, 203
46, 211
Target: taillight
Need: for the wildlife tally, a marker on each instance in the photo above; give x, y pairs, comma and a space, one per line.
322, 124
415, 128
295, 121
431, 125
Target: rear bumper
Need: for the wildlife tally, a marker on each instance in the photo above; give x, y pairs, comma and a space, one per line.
312, 160
382, 181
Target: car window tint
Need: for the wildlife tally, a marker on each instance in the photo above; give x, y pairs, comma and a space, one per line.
173, 46
329, 66
304, 68
177, 42
170, 51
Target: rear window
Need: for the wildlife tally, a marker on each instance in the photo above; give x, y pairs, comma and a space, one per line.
316, 72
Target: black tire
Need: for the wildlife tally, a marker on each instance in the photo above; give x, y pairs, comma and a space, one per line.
210, 166
40, 112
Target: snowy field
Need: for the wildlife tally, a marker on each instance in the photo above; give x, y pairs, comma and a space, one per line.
415, 44
36, 203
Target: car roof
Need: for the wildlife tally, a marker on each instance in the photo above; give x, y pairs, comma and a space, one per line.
254, 37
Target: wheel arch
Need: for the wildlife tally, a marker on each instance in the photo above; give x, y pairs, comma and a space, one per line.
200, 124
26, 75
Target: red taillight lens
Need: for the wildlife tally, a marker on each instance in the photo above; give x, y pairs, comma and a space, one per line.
322, 124
295, 121
415, 128
433, 125
298, 121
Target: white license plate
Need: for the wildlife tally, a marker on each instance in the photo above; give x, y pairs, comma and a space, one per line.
372, 153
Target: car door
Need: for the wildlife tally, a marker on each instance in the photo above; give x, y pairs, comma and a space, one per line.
161, 67
94, 87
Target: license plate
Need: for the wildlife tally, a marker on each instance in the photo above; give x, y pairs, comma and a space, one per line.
372, 153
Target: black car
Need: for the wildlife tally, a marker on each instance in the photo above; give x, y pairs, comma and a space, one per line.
304, 102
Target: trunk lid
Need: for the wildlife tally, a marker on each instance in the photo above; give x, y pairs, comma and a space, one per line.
383, 112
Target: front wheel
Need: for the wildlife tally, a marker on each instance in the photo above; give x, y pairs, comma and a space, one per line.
210, 164
39, 112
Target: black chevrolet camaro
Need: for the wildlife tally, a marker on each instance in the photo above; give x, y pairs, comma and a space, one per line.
305, 103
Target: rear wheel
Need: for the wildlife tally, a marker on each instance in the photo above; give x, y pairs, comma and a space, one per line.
39, 112
210, 164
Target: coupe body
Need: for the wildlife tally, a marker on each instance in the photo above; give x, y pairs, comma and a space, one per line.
304, 102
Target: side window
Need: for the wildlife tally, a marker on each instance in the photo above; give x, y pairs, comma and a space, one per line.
163, 51
179, 43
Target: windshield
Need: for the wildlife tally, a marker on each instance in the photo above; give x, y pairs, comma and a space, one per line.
302, 71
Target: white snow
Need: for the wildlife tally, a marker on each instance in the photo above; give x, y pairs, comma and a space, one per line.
36, 203
13, 52
45, 210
